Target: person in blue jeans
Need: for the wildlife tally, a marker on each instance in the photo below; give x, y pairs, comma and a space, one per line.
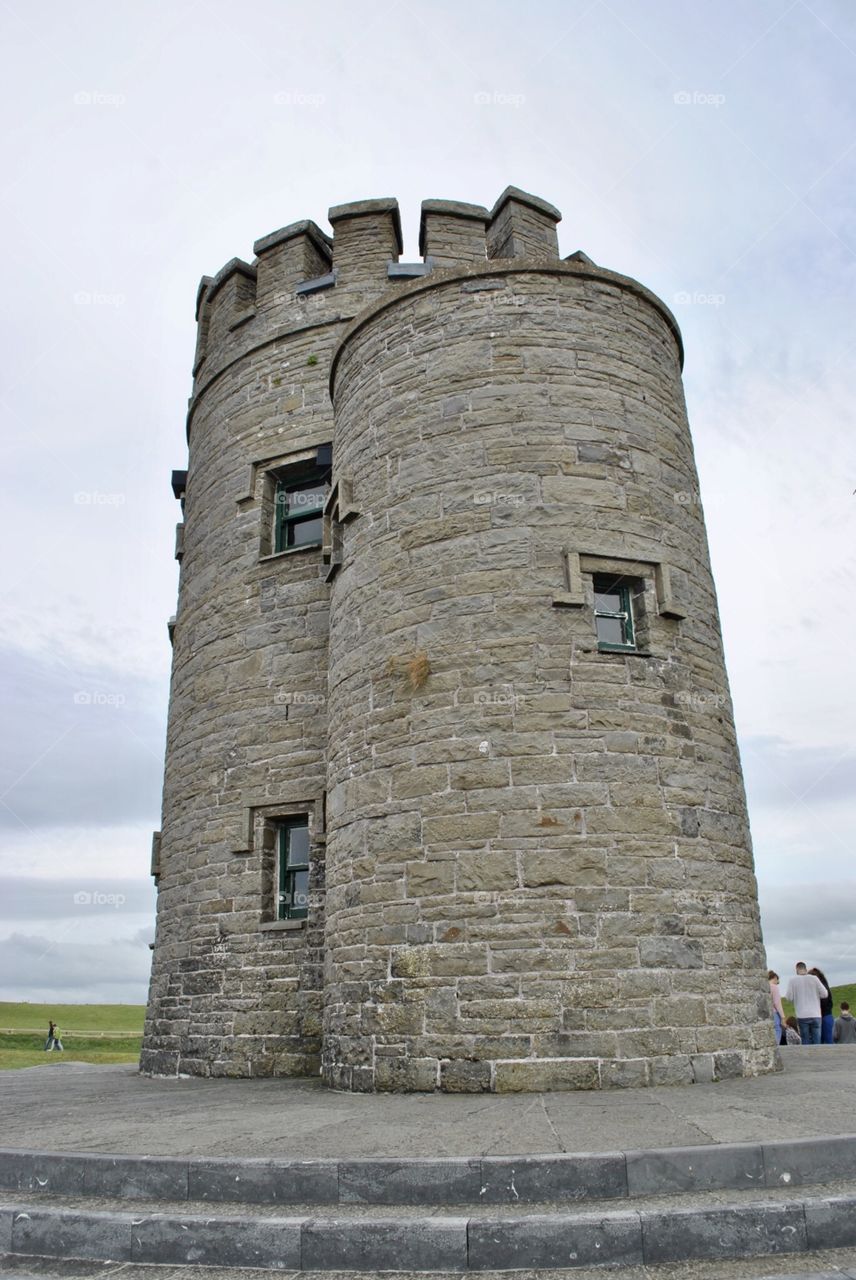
806, 991
827, 1019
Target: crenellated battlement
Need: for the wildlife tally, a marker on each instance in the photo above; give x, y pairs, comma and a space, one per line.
301, 275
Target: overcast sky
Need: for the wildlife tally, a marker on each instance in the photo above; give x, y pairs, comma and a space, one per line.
709, 150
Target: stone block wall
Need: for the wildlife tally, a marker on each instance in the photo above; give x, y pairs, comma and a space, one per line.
531, 865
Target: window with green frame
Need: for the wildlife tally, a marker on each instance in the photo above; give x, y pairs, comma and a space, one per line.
613, 613
299, 506
293, 895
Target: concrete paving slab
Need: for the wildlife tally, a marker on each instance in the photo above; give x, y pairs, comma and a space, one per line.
78, 1107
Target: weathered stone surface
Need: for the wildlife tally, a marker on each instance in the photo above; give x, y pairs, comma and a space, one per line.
538, 1076
218, 1242
263, 1181
558, 1241
542, 1179
409, 1182
729, 1232
70, 1234
343, 1244
490, 798
656, 1173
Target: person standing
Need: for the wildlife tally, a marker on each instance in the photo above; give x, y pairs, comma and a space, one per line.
776, 998
57, 1043
49, 1041
827, 1021
806, 991
844, 1029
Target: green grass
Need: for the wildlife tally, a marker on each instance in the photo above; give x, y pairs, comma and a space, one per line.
90, 1033
21, 1016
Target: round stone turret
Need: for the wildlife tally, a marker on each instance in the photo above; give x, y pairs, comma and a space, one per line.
455, 760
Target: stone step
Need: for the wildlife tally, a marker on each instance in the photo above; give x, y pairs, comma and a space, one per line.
458, 1181
832, 1264
691, 1228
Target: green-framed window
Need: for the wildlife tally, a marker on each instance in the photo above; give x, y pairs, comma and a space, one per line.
613, 614
293, 895
298, 507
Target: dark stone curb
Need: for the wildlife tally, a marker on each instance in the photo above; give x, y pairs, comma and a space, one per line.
425, 1181
623, 1238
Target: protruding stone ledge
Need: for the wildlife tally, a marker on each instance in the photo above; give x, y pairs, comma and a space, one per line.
156, 853
316, 284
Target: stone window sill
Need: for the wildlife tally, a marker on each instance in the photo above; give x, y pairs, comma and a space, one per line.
289, 551
282, 926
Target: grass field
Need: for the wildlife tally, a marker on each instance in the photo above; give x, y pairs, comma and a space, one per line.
90, 1033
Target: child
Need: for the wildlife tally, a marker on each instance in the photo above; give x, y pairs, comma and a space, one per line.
844, 1030
792, 1031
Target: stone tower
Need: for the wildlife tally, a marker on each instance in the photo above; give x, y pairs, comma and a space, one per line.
453, 798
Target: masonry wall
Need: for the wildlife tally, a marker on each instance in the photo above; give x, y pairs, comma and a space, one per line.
233, 991
530, 860
539, 871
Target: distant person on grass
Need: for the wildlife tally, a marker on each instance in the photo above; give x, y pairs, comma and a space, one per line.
844, 1030
49, 1041
806, 991
792, 1031
827, 1021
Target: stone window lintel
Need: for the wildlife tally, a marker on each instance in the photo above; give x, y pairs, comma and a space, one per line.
578, 563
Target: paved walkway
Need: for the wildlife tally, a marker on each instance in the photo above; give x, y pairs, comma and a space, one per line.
75, 1107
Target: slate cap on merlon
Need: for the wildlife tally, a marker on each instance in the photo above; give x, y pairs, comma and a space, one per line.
323, 243
452, 209
368, 208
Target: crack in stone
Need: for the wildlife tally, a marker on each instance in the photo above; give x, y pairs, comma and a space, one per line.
549, 1119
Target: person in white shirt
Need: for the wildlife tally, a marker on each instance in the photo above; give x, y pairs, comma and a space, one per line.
806, 991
